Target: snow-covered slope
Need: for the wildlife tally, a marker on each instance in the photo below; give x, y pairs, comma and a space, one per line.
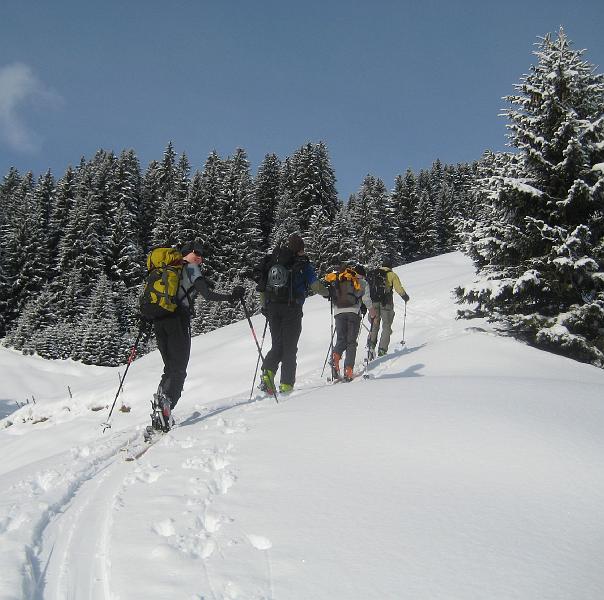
470, 467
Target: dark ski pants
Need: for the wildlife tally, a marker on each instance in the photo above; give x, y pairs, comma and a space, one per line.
285, 322
173, 336
347, 329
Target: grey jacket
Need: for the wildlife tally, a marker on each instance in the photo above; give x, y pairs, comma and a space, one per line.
192, 283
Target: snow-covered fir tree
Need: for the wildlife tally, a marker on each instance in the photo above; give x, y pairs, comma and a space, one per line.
320, 242
367, 216
102, 340
542, 270
404, 196
246, 243
64, 199
149, 204
425, 217
286, 220
204, 198
267, 186
310, 180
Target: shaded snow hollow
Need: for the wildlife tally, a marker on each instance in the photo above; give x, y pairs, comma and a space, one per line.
470, 467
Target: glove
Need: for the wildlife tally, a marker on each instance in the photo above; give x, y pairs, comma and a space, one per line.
237, 293
405, 297
263, 311
363, 310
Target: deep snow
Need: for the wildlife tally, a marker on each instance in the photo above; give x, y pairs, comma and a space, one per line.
470, 467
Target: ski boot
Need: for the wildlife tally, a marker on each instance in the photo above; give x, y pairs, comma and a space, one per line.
348, 374
267, 381
166, 413
285, 388
161, 414
335, 366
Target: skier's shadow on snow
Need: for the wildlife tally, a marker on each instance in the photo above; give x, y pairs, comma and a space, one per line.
411, 371
197, 417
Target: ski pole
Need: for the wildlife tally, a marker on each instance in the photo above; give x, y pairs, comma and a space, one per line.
328, 353
367, 329
260, 355
258, 361
368, 343
404, 325
332, 332
143, 327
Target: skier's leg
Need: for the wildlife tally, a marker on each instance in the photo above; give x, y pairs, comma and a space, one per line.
292, 328
353, 323
179, 350
275, 322
375, 325
387, 313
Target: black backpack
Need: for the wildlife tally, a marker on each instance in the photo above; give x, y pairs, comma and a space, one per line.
276, 274
378, 286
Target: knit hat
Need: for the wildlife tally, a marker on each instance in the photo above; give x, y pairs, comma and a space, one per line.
360, 269
193, 246
295, 243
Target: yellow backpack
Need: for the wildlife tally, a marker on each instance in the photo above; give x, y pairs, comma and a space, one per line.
158, 298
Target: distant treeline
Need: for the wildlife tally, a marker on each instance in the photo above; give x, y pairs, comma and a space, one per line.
73, 250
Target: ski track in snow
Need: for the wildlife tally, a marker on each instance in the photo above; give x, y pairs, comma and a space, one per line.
81, 521
50, 499
89, 501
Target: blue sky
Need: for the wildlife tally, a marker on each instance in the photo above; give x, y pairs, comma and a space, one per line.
387, 85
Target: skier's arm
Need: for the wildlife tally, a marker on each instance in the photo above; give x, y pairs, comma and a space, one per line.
317, 287
313, 282
366, 299
201, 286
395, 282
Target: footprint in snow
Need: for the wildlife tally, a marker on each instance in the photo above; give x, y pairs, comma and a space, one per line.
45, 480
143, 475
217, 463
230, 428
223, 482
212, 523
80, 452
164, 528
195, 462
189, 442
165, 553
13, 520
208, 549
260, 542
